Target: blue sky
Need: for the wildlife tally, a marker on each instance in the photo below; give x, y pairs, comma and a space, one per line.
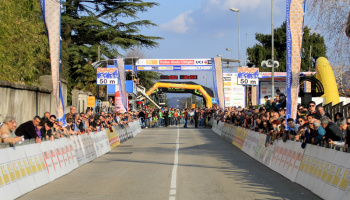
205, 28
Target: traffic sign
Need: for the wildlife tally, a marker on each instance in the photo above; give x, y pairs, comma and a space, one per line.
107, 76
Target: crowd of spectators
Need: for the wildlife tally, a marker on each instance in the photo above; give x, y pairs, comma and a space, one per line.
313, 125
49, 128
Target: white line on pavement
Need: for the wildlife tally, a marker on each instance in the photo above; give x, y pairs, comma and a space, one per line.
172, 192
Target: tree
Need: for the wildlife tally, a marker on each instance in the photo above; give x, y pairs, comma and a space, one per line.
89, 24
262, 51
23, 43
332, 19
147, 78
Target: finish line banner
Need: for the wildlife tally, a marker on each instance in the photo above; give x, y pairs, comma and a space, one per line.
173, 64
295, 19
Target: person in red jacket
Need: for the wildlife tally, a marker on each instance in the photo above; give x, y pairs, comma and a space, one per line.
186, 118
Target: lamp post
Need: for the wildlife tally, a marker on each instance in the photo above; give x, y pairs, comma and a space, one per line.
239, 37
228, 49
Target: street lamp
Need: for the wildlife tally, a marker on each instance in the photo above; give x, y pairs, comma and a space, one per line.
228, 49
239, 37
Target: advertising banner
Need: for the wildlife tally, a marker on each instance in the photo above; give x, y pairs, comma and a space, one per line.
51, 11
107, 76
218, 82
113, 138
119, 63
295, 19
173, 64
248, 76
234, 94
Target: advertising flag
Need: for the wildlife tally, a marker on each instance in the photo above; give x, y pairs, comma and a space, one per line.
51, 10
295, 19
119, 63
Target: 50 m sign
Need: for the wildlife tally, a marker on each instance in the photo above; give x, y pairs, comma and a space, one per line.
107, 76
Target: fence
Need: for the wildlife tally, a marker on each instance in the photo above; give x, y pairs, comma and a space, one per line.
325, 172
26, 167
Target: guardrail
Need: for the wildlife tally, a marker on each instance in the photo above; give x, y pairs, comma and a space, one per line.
30, 165
325, 172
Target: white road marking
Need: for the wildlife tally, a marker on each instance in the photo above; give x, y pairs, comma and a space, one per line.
172, 192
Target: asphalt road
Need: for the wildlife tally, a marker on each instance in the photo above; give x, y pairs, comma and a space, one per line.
206, 167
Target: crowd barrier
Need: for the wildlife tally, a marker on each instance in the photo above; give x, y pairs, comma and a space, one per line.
325, 172
24, 168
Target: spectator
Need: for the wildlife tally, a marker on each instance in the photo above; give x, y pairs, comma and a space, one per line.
337, 116
320, 131
293, 128
6, 131
333, 132
282, 100
71, 113
28, 129
347, 136
305, 136
312, 107
321, 112
46, 132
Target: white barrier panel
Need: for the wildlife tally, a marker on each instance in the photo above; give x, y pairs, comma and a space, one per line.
251, 143
34, 151
287, 158
325, 172
10, 188
18, 158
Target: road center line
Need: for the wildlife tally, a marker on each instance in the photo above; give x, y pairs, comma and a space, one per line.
172, 192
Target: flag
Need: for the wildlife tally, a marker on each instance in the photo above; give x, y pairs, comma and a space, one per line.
295, 20
51, 11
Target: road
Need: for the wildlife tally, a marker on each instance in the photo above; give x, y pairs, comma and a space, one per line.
172, 163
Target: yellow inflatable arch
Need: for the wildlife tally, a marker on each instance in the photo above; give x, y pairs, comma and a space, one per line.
207, 97
324, 73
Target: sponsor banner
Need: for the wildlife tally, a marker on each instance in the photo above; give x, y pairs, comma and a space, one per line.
248, 76
173, 62
240, 137
234, 93
9, 186
287, 158
107, 76
295, 18
173, 68
325, 172
119, 63
265, 89
51, 11
113, 138
218, 82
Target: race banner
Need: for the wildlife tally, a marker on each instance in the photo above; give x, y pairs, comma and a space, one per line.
119, 63
51, 10
295, 18
218, 81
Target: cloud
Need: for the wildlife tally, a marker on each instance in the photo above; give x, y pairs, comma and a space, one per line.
181, 24
211, 5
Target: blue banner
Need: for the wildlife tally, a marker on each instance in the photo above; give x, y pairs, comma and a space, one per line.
289, 78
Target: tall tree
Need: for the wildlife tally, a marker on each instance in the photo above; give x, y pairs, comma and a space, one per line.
23, 43
262, 51
332, 19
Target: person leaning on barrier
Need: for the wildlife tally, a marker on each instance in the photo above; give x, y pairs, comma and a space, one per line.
6, 132
46, 131
28, 129
333, 132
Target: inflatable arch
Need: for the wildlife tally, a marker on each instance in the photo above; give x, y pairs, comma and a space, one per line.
198, 90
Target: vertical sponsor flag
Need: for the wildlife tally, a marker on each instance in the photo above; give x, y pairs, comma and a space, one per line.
51, 10
218, 81
295, 19
119, 63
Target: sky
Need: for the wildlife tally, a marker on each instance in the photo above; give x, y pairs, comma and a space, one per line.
205, 28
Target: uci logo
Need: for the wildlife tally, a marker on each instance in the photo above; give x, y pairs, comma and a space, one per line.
198, 62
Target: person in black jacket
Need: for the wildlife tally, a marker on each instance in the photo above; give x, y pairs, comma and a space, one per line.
333, 132
166, 113
28, 129
46, 131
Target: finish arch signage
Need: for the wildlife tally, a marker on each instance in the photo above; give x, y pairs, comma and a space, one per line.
173, 64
